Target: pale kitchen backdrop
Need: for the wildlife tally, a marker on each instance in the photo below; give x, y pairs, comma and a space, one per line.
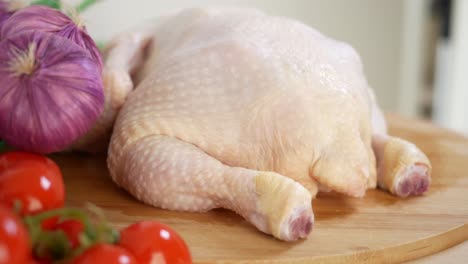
416, 68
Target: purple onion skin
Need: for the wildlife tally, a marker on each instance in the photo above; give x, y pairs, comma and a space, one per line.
47, 110
46, 19
4, 14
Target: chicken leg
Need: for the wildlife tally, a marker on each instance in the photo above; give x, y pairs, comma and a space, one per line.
403, 169
171, 174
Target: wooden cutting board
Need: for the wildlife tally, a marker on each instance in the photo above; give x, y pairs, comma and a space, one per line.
377, 228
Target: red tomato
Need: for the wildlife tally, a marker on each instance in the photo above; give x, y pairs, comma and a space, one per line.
14, 239
150, 241
73, 229
32, 179
40, 261
105, 253
50, 223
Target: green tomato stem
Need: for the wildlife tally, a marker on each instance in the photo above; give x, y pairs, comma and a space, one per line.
55, 244
33, 222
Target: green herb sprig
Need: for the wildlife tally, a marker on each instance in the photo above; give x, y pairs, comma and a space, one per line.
85, 4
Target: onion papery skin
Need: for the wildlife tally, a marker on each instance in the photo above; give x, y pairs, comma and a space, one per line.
46, 19
59, 101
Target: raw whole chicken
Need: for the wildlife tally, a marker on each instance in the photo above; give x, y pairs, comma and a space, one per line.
232, 108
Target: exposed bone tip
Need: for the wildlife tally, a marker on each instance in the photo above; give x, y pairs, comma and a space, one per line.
301, 227
415, 181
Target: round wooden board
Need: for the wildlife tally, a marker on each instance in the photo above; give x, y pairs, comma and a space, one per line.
377, 228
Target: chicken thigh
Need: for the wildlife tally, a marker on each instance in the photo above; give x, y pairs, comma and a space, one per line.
232, 108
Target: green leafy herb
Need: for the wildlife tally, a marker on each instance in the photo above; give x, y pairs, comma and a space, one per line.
101, 45
50, 3
85, 5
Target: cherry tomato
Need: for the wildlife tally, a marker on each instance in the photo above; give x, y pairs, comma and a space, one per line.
14, 239
105, 253
150, 241
33, 180
40, 261
73, 229
50, 223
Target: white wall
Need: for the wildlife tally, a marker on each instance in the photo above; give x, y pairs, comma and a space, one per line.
413, 57
373, 27
451, 87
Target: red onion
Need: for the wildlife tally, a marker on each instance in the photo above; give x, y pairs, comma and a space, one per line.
9, 7
51, 91
4, 13
46, 19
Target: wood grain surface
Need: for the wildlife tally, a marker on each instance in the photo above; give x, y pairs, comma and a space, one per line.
378, 228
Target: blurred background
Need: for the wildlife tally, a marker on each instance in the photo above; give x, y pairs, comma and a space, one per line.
415, 53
